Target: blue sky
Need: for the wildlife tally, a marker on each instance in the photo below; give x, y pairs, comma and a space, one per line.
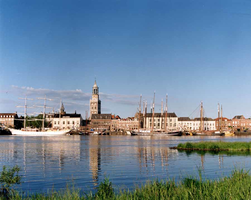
194, 50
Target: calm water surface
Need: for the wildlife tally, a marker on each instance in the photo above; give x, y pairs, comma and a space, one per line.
52, 162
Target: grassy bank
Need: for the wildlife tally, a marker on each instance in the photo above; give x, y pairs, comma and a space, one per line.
236, 186
216, 146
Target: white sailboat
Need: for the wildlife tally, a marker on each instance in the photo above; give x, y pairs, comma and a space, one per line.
26, 131
35, 132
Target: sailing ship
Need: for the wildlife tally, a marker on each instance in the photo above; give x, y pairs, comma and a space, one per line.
26, 131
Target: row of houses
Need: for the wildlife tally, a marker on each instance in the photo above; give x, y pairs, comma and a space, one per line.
63, 120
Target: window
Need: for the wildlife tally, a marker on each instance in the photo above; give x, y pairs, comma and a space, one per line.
63, 122
68, 122
58, 122
72, 122
55, 122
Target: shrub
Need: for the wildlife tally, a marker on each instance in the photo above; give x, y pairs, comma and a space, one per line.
8, 178
105, 190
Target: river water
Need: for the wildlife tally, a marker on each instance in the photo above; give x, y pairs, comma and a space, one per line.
53, 162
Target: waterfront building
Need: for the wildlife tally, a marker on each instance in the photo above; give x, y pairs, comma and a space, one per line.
239, 122
130, 123
9, 119
223, 123
95, 102
187, 124
101, 121
63, 120
159, 119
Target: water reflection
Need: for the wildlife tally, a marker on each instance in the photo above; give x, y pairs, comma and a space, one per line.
95, 157
52, 162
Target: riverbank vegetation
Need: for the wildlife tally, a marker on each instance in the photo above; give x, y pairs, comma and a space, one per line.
236, 186
215, 146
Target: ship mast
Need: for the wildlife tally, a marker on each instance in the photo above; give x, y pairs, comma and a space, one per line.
44, 108
161, 127
218, 117
145, 113
221, 119
201, 117
153, 113
165, 124
25, 109
139, 114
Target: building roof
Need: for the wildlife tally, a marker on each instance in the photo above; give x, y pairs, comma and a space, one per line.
71, 115
95, 84
15, 114
184, 119
160, 115
239, 117
204, 119
101, 116
223, 119
116, 117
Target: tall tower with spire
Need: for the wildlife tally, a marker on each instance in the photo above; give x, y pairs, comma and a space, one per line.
95, 103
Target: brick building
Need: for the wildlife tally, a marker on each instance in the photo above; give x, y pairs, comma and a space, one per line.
8, 119
239, 122
223, 124
101, 122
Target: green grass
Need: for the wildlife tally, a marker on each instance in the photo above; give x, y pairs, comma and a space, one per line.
216, 146
236, 186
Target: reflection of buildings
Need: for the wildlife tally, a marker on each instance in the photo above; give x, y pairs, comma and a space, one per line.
94, 157
150, 154
45, 153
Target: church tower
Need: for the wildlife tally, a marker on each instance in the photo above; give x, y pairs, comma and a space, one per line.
95, 103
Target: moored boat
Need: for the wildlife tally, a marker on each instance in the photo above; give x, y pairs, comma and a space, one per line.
175, 133
36, 132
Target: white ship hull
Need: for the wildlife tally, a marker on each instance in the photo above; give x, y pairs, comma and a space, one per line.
38, 133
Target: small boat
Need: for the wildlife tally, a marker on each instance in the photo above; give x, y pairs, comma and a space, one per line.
199, 134
96, 133
175, 133
218, 133
128, 133
133, 133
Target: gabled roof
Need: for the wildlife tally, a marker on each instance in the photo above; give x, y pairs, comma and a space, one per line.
223, 119
239, 117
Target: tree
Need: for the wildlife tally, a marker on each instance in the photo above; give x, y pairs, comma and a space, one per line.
36, 121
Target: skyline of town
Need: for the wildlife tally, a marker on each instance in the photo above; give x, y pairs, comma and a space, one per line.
50, 109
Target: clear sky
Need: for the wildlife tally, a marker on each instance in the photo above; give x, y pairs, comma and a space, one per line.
194, 50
